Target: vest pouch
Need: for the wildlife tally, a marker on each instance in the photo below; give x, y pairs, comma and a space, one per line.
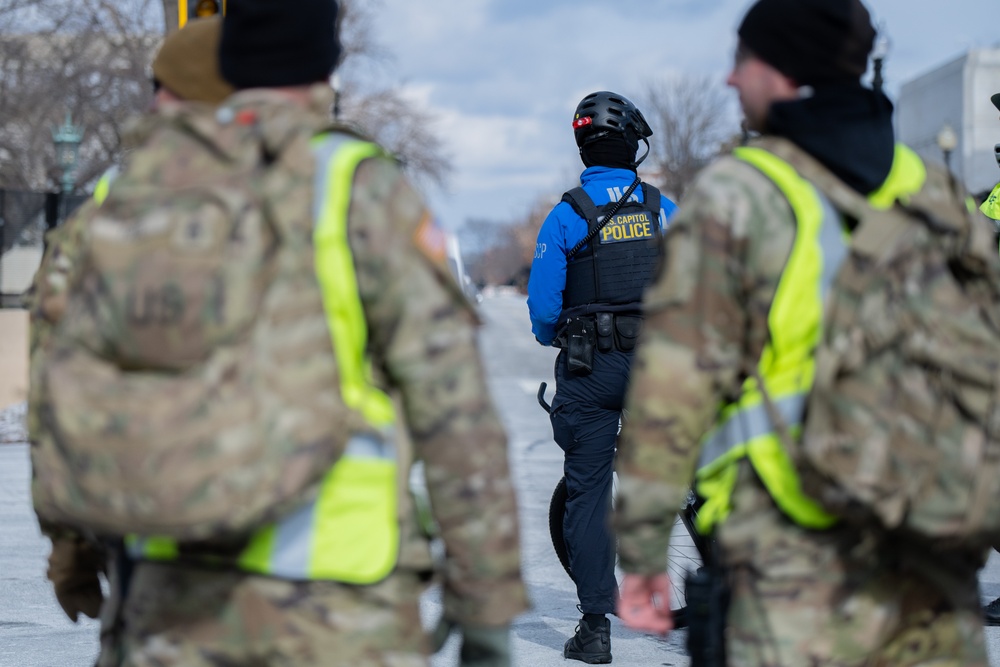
580, 340
627, 328
605, 325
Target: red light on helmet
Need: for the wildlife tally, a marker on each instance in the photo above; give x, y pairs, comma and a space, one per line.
582, 122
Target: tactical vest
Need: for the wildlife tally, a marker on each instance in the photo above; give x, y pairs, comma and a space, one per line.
744, 428
619, 262
350, 531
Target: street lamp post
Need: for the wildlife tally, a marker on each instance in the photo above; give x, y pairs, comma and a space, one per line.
335, 84
947, 141
66, 139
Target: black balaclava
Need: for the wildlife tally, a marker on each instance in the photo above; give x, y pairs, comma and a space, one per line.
268, 44
612, 150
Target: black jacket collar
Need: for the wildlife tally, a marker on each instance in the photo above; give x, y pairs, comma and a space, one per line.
847, 127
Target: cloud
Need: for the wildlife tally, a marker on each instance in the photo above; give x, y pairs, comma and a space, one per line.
504, 76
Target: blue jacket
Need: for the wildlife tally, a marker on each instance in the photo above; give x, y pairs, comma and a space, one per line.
562, 230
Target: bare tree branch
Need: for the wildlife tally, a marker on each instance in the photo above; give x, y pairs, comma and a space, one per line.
90, 58
383, 113
690, 123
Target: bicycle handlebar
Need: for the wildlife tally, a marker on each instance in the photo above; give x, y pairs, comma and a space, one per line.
541, 398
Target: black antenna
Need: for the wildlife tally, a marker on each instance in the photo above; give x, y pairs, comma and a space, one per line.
879, 53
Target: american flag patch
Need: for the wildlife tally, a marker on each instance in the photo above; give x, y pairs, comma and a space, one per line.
430, 239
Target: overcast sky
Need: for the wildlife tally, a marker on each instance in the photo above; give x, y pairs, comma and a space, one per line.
503, 77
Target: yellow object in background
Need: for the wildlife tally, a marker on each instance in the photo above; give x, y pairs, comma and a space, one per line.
198, 9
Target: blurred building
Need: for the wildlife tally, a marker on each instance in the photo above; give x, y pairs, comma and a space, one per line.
946, 116
17, 271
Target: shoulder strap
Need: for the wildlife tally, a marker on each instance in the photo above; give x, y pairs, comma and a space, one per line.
583, 205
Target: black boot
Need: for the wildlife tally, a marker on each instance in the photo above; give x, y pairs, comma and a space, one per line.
991, 613
591, 643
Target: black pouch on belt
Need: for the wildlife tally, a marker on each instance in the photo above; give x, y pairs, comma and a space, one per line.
627, 328
605, 324
580, 341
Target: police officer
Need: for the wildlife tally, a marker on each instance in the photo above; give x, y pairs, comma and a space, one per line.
596, 252
805, 590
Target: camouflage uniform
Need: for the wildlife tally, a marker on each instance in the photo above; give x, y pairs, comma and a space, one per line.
799, 597
45, 300
422, 340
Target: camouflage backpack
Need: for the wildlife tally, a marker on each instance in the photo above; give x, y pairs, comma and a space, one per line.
189, 388
902, 426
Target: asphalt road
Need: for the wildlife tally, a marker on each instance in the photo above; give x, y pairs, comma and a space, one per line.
35, 633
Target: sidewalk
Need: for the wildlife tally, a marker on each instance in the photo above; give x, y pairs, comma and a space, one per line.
13, 357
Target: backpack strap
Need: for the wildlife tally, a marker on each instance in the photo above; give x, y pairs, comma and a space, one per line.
880, 241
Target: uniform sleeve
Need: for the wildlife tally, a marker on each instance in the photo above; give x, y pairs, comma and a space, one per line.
422, 335
547, 280
667, 210
706, 317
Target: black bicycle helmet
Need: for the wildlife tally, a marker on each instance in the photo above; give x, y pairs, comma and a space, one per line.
602, 112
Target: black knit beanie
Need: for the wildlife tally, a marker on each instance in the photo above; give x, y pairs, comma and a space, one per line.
268, 44
810, 41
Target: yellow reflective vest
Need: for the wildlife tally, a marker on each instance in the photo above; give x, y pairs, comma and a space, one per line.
350, 531
104, 185
786, 367
991, 207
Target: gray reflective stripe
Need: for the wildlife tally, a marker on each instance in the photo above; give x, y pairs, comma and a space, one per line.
831, 240
371, 446
745, 425
293, 535
293, 543
324, 148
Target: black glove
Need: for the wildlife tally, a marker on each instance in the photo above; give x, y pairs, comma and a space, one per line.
74, 565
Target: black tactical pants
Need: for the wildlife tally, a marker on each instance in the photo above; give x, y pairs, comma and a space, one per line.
585, 414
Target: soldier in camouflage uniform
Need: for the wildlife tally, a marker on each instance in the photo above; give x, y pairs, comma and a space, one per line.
191, 608
804, 589
991, 209
182, 73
